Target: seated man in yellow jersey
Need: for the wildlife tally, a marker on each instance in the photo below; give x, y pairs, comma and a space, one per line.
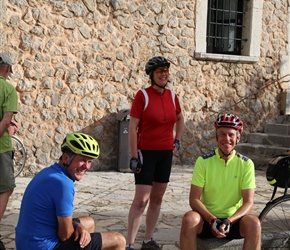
222, 192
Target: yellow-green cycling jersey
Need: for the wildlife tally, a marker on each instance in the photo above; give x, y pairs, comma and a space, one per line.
223, 181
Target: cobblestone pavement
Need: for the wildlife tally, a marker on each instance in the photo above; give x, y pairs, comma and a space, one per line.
107, 196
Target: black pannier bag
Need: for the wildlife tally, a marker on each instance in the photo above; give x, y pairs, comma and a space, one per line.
278, 172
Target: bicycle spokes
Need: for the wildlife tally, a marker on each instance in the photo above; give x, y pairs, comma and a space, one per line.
275, 220
19, 155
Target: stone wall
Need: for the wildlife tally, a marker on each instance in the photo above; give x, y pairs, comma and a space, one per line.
77, 63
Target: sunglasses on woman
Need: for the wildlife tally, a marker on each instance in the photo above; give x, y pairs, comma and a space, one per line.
162, 70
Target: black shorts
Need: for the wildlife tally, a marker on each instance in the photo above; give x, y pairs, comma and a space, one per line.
71, 244
156, 167
233, 234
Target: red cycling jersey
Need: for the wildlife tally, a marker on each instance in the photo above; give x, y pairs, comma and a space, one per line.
155, 130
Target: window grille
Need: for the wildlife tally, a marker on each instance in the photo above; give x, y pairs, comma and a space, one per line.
224, 26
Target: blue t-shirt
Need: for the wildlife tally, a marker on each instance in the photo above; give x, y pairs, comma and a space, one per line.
49, 194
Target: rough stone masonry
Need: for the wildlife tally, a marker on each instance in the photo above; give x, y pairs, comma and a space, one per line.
78, 63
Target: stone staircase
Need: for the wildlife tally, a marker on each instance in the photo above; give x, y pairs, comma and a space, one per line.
261, 147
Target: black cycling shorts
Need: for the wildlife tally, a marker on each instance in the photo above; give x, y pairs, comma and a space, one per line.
71, 244
156, 167
233, 234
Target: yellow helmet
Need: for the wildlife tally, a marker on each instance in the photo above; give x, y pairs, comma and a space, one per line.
81, 144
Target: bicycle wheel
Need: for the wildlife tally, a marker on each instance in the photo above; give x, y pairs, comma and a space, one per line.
19, 155
275, 221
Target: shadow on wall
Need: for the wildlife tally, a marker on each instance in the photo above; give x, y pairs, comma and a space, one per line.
197, 139
105, 131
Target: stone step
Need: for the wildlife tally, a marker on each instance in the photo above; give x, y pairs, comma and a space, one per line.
276, 128
260, 154
221, 244
261, 150
269, 139
261, 163
224, 244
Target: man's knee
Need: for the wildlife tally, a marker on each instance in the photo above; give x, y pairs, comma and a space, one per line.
250, 225
120, 239
113, 239
88, 222
191, 219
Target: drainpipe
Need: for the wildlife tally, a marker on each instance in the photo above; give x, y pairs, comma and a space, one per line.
285, 70
2, 24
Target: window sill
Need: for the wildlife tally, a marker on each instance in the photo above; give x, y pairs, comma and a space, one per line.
225, 58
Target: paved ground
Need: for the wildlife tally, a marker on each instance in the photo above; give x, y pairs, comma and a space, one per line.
107, 196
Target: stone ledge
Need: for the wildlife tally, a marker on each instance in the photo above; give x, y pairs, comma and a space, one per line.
221, 244
226, 58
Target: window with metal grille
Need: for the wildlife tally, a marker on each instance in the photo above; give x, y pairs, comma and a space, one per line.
224, 26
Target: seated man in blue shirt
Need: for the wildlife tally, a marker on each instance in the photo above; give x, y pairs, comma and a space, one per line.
46, 214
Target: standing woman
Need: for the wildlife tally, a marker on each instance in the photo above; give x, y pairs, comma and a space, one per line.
153, 115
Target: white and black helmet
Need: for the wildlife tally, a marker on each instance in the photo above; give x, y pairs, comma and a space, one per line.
154, 63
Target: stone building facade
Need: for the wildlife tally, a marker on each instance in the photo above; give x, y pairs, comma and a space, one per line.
78, 63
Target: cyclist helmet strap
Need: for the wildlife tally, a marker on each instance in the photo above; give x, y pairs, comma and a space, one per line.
71, 157
67, 164
226, 155
154, 83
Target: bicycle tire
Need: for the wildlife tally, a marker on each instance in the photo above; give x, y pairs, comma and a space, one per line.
275, 221
19, 158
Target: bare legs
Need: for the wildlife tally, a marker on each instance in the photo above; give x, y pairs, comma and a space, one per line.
143, 195
4, 197
110, 240
113, 240
250, 229
191, 226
